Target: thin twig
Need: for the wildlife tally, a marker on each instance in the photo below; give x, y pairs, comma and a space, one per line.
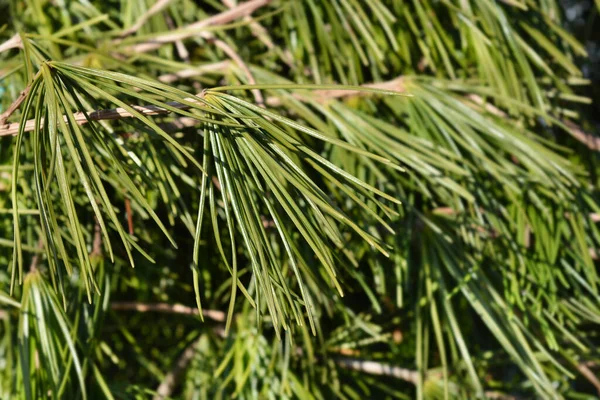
589, 375
396, 85
129, 214
12, 43
191, 30
377, 368
214, 315
263, 35
37, 256
196, 71
408, 375
366, 366
172, 378
493, 395
115, 113
183, 52
257, 29
11, 109
591, 141
178, 123
231, 53
156, 8
488, 107
97, 242
323, 96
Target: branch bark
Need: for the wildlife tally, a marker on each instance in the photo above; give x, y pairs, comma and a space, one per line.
377, 368
11, 109
12, 43
263, 35
215, 315
323, 96
588, 374
196, 71
36, 257
191, 30
172, 378
231, 53
396, 84
257, 29
156, 8
115, 113
97, 242
591, 141
183, 52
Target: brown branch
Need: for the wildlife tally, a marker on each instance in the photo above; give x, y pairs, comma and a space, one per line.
112, 114
36, 258
231, 53
377, 368
199, 70
183, 52
445, 211
178, 123
12, 43
488, 107
257, 29
11, 109
171, 379
591, 141
396, 84
97, 242
156, 8
129, 214
225, 17
589, 375
407, 375
214, 315
118, 113
493, 395
323, 96
216, 182
263, 35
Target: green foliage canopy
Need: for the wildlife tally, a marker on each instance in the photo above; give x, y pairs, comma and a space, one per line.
381, 199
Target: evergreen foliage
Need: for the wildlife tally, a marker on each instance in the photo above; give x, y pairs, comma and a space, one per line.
321, 198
